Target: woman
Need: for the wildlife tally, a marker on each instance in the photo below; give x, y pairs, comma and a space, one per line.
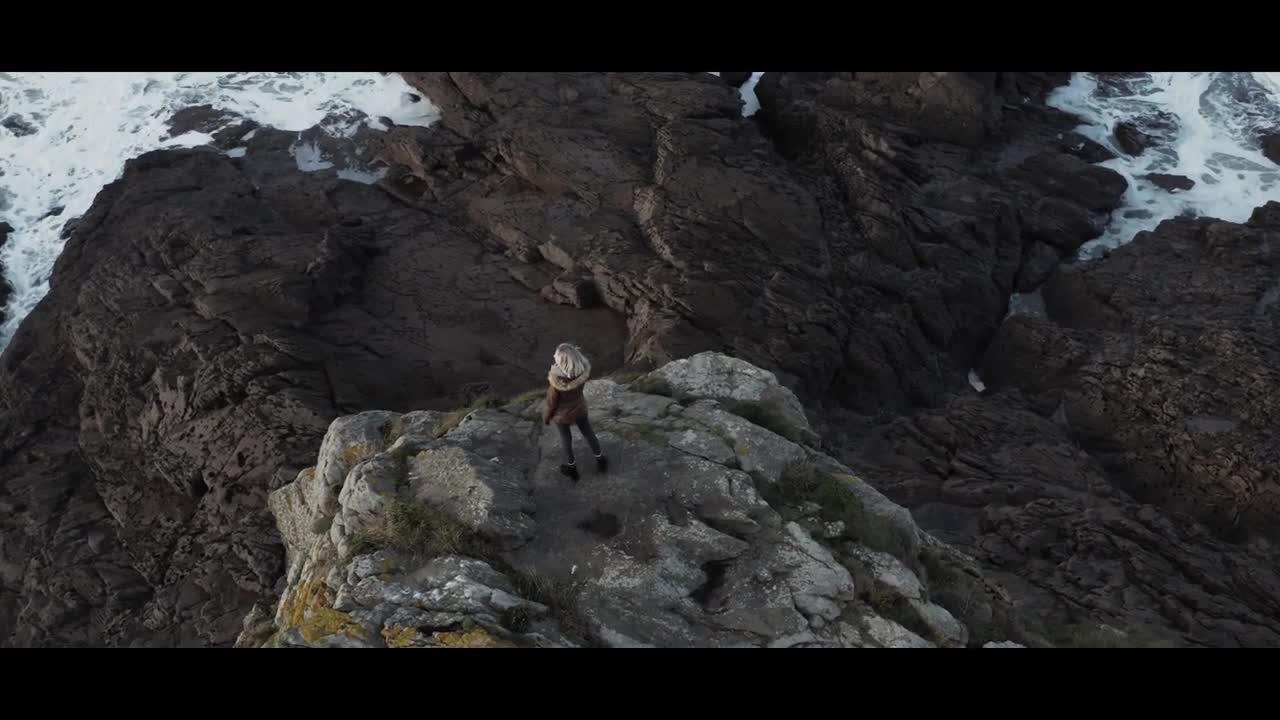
566, 405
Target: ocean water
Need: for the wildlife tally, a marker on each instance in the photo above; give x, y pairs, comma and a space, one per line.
63, 136
1208, 123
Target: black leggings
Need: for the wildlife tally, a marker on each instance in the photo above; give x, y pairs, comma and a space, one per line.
566, 438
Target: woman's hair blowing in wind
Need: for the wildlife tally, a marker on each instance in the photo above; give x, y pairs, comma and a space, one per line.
570, 360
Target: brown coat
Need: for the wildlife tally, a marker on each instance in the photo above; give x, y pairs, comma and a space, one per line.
565, 402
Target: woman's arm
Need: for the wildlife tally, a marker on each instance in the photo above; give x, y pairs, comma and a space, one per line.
549, 407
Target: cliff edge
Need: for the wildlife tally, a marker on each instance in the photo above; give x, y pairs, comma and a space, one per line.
718, 524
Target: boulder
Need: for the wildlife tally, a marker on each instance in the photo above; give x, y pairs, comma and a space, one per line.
18, 125
6, 288
1130, 139
1171, 183
1271, 146
714, 376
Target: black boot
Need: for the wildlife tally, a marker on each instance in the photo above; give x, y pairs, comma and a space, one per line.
602, 463
569, 471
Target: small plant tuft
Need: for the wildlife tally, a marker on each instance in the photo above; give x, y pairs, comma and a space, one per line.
803, 481
652, 385
560, 597
419, 530
455, 418
766, 417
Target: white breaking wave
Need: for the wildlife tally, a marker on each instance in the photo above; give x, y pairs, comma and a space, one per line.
1212, 122
750, 103
63, 136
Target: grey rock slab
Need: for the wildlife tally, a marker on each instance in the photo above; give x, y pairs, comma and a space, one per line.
488, 497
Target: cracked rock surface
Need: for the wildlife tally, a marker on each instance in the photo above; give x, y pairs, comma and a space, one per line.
674, 547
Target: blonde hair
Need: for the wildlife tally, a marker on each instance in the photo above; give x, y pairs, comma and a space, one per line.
570, 360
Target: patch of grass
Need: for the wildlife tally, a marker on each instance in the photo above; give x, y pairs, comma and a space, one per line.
528, 396
419, 530
803, 481
765, 417
651, 385
626, 377
455, 418
645, 433
560, 597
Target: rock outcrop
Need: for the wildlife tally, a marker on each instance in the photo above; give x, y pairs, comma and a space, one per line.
1170, 183
1121, 470
708, 530
217, 308
1270, 142
6, 288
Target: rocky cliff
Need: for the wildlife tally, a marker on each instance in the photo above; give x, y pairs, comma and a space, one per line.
214, 313
710, 530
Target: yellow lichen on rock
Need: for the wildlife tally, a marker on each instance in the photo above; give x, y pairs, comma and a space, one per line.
308, 610
401, 637
357, 452
477, 638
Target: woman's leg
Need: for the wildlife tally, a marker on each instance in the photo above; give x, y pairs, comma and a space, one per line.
566, 443
584, 427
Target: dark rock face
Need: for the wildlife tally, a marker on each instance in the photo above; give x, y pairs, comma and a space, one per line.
224, 126
1271, 146
1130, 139
1170, 182
1084, 148
1150, 130
736, 79
210, 315
18, 125
206, 320
6, 288
1122, 467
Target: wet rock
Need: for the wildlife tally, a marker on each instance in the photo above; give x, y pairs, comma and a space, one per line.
1038, 264
6, 288
1082, 147
1271, 146
1170, 183
18, 125
1130, 139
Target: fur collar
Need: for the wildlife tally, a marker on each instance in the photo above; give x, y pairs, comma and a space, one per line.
558, 381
